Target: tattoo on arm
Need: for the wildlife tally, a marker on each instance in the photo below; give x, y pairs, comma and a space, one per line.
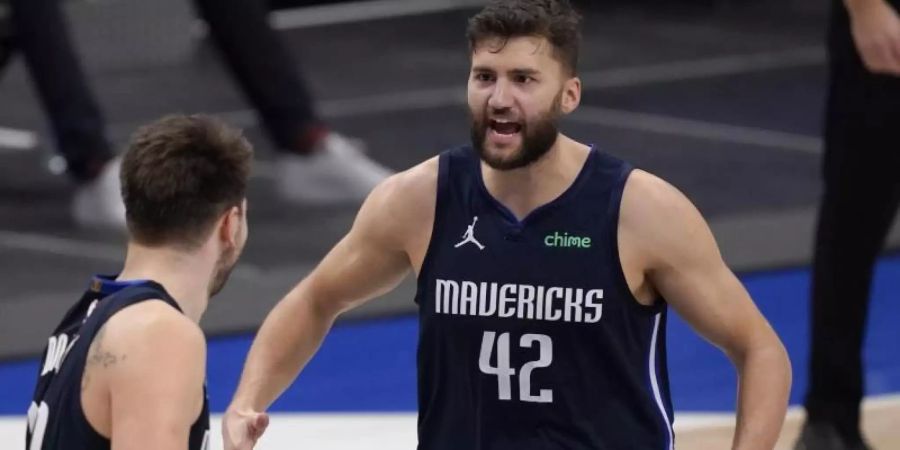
98, 357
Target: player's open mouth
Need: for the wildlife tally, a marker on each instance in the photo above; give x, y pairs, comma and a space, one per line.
505, 128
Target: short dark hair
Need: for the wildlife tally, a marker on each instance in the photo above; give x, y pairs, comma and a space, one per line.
179, 175
555, 20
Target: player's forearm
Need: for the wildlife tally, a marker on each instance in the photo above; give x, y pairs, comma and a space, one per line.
288, 338
764, 374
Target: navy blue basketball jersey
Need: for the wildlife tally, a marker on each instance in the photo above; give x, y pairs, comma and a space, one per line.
55, 419
529, 335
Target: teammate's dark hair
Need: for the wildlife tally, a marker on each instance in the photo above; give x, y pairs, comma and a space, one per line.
554, 20
179, 175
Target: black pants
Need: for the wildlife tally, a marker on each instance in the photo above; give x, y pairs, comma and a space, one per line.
78, 125
263, 68
862, 190
5, 33
253, 51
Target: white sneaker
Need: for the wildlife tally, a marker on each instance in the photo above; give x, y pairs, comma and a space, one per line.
337, 172
98, 203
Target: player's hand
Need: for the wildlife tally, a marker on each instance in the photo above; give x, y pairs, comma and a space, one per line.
876, 32
241, 429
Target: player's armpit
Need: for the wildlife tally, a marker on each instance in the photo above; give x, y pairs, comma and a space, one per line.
156, 380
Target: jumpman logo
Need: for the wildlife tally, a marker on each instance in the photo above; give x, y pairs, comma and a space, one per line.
469, 236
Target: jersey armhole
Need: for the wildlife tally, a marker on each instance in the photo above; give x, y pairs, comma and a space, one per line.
442, 191
615, 207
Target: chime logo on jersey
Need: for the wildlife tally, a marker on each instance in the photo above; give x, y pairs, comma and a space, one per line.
564, 240
522, 301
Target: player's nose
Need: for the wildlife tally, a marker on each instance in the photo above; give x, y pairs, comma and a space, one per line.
501, 96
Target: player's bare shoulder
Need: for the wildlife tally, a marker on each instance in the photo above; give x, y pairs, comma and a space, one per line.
400, 210
410, 193
149, 330
657, 220
131, 349
648, 195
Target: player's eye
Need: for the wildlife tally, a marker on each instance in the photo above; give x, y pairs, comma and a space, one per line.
523, 79
484, 77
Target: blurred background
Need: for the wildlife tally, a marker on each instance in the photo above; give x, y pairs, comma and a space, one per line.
722, 98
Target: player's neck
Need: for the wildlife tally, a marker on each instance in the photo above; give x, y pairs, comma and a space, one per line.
523, 190
185, 277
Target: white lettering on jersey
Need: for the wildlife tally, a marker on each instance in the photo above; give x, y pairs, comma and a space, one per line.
58, 347
38, 415
522, 301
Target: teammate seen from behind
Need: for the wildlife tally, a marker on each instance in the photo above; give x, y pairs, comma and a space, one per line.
125, 368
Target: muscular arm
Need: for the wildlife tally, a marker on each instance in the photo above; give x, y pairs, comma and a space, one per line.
369, 261
155, 376
680, 260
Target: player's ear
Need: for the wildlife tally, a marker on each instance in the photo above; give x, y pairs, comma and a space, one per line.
571, 95
230, 224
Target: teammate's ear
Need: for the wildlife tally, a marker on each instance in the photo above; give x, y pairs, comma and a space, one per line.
230, 225
571, 95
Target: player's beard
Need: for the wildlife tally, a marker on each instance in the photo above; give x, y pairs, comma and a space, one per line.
538, 137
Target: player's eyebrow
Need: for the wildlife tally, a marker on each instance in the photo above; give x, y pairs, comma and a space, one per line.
525, 72
518, 71
482, 69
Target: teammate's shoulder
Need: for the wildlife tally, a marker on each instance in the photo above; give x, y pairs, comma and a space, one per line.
145, 340
155, 321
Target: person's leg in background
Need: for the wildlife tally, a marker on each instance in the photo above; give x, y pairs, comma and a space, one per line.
862, 189
41, 33
6, 47
316, 165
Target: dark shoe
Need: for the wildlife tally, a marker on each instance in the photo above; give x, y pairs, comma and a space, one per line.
824, 436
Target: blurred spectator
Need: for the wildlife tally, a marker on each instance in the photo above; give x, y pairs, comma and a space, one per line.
316, 165
5, 33
862, 190
42, 35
